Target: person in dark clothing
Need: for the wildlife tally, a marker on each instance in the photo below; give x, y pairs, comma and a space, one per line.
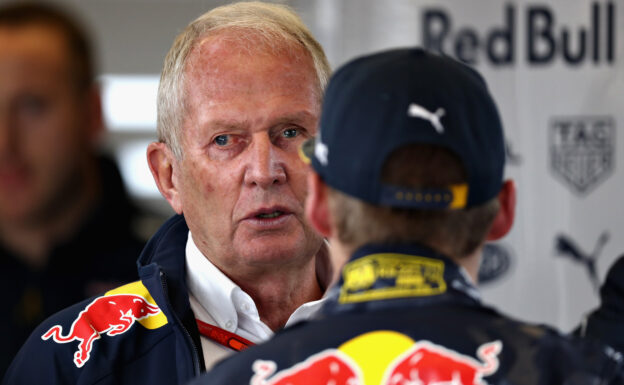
606, 323
67, 227
408, 187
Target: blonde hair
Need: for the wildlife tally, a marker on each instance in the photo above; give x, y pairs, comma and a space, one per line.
269, 22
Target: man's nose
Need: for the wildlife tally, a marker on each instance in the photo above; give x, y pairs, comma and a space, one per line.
265, 165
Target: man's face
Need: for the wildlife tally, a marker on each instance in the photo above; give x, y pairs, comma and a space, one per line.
40, 122
241, 182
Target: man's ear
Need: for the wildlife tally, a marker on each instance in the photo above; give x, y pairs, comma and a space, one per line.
317, 205
161, 163
506, 213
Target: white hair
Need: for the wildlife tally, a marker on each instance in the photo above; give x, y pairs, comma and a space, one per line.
252, 21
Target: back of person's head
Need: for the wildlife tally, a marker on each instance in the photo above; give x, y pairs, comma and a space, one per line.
456, 231
22, 14
270, 26
411, 147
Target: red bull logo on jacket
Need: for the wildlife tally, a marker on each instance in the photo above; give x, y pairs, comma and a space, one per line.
428, 363
328, 367
385, 358
112, 314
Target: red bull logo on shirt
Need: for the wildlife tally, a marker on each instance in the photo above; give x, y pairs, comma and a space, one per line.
112, 314
385, 358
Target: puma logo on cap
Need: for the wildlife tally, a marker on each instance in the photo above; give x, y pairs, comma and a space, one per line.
416, 111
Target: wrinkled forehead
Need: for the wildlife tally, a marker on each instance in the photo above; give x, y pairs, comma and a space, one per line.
228, 61
210, 52
244, 44
249, 42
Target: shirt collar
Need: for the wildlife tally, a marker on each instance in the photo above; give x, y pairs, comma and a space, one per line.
224, 300
212, 289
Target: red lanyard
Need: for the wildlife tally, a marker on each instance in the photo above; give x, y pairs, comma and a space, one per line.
223, 337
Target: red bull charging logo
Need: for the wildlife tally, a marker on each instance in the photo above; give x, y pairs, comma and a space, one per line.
112, 314
328, 367
385, 358
431, 364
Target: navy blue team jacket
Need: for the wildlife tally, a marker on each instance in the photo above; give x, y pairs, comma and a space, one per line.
140, 333
406, 315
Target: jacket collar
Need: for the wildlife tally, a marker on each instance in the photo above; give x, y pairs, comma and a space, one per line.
386, 276
164, 254
162, 269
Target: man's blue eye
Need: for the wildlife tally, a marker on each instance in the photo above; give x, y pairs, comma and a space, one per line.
291, 132
222, 140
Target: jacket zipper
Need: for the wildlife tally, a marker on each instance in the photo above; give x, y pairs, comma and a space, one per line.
189, 340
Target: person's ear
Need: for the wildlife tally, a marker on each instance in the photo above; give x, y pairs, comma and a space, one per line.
317, 205
506, 213
162, 164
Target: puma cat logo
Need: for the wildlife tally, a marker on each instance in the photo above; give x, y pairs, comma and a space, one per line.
416, 111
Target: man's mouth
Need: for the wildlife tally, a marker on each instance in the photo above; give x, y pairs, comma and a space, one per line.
271, 215
269, 218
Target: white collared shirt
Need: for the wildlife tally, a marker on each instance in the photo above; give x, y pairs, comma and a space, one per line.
218, 301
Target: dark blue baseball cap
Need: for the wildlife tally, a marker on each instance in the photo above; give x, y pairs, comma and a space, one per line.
379, 103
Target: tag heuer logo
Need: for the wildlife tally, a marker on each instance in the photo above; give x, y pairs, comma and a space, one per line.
496, 261
582, 150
